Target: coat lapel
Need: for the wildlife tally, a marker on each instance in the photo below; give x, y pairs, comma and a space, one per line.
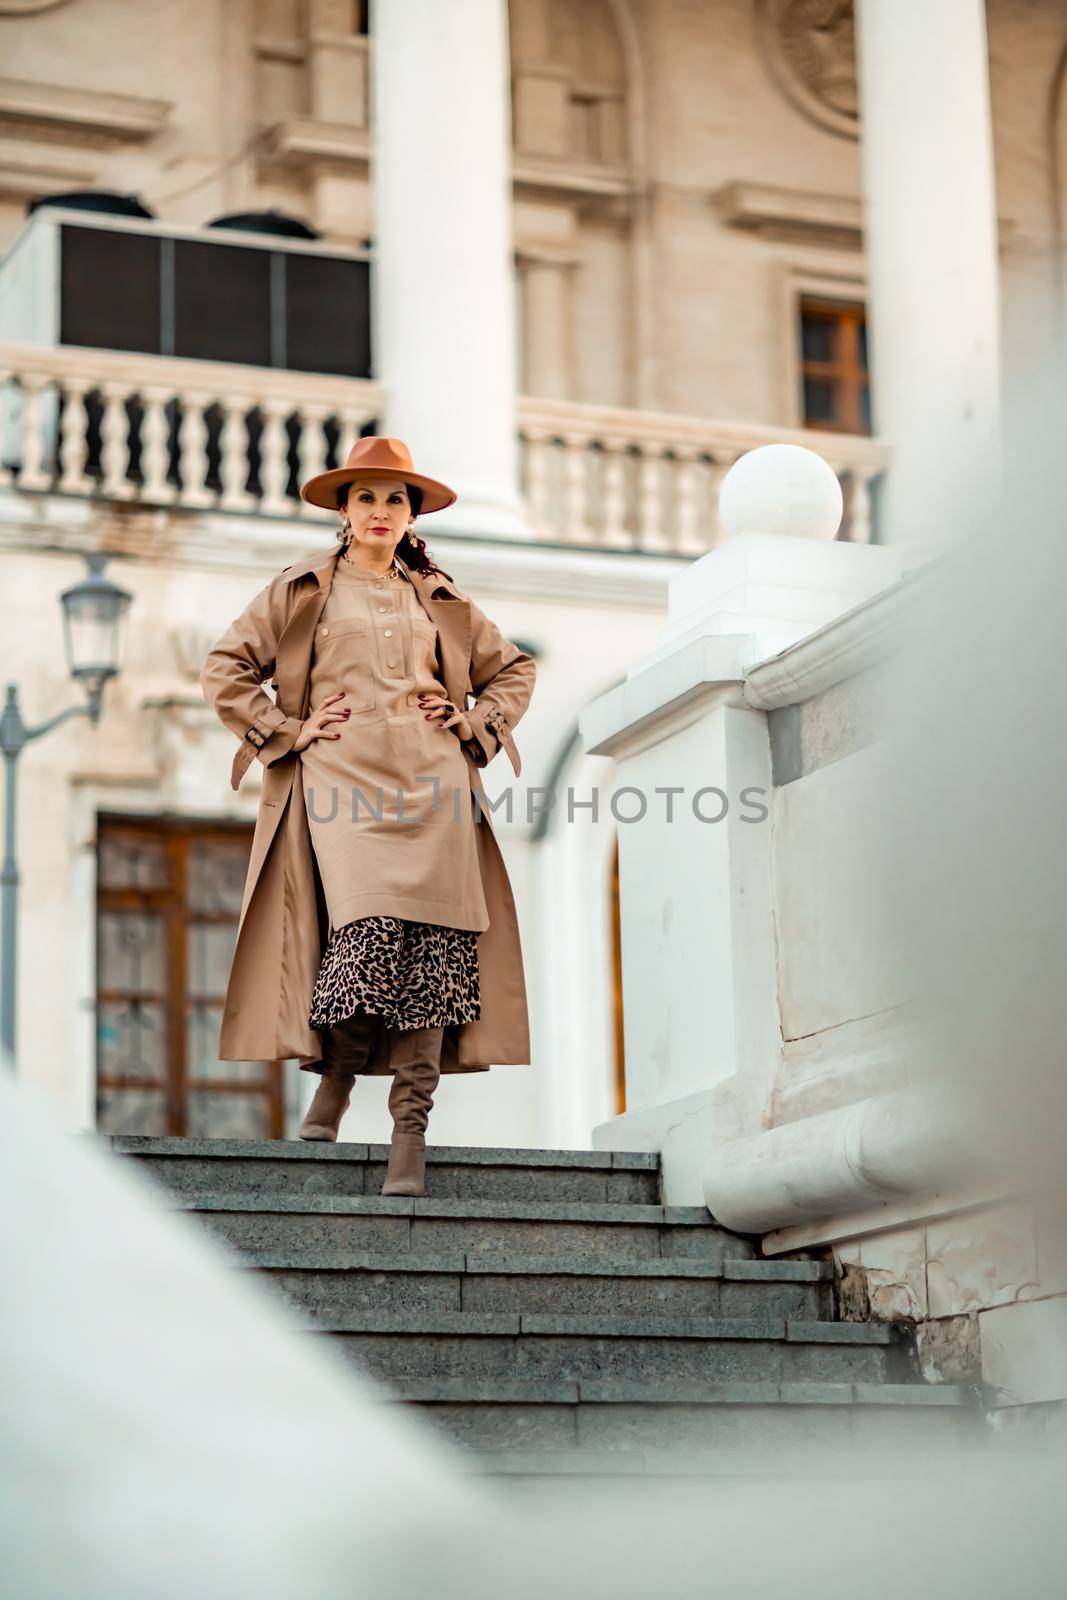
293, 656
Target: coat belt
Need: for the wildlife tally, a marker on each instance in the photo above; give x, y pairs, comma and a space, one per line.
499, 723
255, 738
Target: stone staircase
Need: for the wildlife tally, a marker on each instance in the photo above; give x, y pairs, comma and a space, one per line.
551, 1314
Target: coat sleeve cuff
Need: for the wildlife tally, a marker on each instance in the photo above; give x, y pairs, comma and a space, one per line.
483, 744
490, 730
281, 741
271, 736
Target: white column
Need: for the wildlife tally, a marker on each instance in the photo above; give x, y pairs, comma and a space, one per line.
443, 295
931, 240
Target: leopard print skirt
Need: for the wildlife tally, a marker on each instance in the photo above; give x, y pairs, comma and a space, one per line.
412, 974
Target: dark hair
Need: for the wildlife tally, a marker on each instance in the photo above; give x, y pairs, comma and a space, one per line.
411, 548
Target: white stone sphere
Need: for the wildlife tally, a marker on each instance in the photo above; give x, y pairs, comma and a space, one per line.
781, 488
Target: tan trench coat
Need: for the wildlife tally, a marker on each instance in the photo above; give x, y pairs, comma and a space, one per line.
282, 926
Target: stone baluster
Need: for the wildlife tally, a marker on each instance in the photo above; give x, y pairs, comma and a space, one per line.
614, 533
651, 532
155, 447
32, 473
536, 484
350, 422
74, 439
575, 488
192, 451
233, 447
274, 458
312, 449
691, 530
114, 443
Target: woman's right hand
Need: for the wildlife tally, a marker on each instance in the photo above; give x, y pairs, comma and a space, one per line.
318, 725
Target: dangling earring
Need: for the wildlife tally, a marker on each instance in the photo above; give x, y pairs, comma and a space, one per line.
344, 533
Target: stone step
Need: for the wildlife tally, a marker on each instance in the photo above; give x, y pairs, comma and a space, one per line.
581, 1420
552, 1316
427, 1227
536, 1346
296, 1166
332, 1284
921, 1442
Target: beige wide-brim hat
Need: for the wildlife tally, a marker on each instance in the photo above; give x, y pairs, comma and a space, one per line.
376, 458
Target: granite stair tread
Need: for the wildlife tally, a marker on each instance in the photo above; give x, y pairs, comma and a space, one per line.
509, 1210
515, 1323
732, 1269
342, 1150
622, 1391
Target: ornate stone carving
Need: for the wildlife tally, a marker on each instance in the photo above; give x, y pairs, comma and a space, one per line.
809, 47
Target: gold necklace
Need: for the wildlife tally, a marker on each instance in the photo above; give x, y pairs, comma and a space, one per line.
393, 573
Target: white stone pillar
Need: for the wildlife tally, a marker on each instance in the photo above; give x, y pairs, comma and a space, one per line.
931, 241
443, 290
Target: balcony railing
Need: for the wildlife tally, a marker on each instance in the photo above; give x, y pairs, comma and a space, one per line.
202, 436
650, 481
165, 432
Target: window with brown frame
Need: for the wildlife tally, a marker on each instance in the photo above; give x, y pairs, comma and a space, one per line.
835, 393
167, 906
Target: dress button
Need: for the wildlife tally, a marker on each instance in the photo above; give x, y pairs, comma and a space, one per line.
383, 608
388, 633
390, 663
325, 631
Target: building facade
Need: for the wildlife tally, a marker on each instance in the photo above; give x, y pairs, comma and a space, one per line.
582, 255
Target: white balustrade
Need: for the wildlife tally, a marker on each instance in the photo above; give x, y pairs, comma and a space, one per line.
32, 472
114, 443
233, 456
155, 450
192, 450
312, 442
155, 431
640, 480
274, 458
74, 439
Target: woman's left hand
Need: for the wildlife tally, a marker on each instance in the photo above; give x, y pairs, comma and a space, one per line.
442, 711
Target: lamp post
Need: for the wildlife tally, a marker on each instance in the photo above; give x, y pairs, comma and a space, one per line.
92, 616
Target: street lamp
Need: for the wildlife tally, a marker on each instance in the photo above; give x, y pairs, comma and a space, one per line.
93, 611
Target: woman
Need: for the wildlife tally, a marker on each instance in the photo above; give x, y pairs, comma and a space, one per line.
378, 929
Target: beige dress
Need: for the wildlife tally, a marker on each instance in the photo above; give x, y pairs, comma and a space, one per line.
391, 816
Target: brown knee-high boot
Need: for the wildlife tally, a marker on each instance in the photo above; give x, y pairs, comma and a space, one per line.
346, 1051
416, 1056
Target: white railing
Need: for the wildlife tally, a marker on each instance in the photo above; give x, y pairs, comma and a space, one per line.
199, 435
650, 481
165, 432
